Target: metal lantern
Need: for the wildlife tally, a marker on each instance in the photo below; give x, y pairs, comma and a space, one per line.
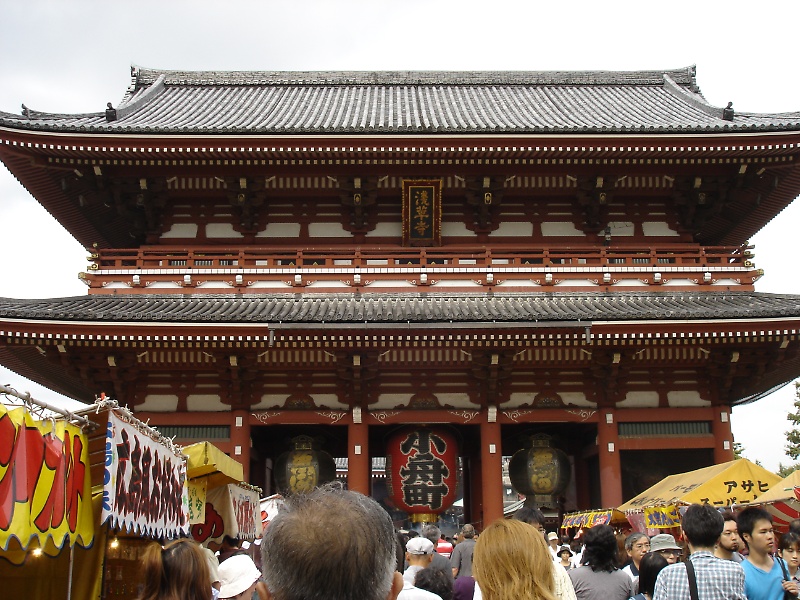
304, 467
421, 471
539, 471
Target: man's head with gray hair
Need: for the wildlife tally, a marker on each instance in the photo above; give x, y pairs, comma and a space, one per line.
330, 544
432, 532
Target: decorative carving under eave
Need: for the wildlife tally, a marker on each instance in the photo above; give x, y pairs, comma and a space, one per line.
699, 199
607, 374
493, 369
247, 195
356, 369
359, 194
485, 195
139, 202
594, 194
238, 377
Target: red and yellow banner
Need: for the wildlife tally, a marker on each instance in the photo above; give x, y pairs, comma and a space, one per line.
45, 488
144, 483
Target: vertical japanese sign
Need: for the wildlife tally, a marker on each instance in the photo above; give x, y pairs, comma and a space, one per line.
422, 212
144, 483
230, 510
421, 470
45, 489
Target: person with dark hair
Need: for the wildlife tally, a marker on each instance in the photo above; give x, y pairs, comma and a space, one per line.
331, 543
716, 579
434, 534
763, 575
436, 581
598, 577
729, 542
789, 554
230, 547
637, 544
531, 516
177, 570
461, 558
649, 568
794, 526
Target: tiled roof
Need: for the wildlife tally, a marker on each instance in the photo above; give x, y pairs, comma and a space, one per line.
409, 103
418, 309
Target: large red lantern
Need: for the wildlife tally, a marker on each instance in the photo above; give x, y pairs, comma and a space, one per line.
421, 471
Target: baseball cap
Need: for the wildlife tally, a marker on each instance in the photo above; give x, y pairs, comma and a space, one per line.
419, 545
236, 574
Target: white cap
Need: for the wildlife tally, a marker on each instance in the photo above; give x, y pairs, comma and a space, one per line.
236, 574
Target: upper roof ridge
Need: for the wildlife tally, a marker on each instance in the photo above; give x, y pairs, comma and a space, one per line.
145, 77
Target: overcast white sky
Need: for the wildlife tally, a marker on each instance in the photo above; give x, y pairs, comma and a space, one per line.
75, 56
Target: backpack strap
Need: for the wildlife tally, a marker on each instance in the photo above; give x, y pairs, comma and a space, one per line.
692, 579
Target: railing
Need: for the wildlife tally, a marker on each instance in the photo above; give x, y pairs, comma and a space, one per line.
457, 267
363, 258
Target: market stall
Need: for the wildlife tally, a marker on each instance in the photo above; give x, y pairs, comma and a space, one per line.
220, 503
724, 485
782, 501
589, 518
46, 513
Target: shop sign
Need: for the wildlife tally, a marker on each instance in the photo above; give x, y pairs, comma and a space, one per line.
662, 517
144, 483
230, 510
45, 487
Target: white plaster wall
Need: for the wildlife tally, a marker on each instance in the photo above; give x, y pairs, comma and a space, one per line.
222, 230
658, 228
686, 398
327, 230
455, 229
640, 400
158, 403
513, 229
280, 230
181, 230
205, 402
560, 228
386, 230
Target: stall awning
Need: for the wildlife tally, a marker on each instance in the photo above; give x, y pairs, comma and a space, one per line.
720, 485
590, 518
782, 502
206, 460
45, 489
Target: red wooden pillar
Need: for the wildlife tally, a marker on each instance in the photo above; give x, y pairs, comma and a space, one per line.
608, 454
240, 440
358, 461
723, 436
491, 472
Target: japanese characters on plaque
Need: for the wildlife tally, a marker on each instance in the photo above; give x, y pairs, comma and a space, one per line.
422, 212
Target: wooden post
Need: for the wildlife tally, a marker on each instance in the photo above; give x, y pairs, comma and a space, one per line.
491, 472
723, 436
240, 440
359, 465
608, 453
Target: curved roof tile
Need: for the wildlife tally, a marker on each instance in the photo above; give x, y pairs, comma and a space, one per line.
179, 102
408, 308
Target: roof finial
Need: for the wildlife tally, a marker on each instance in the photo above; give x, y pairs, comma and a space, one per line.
111, 113
26, 111
727, 112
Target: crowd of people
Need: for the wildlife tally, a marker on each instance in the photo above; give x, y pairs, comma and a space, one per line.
333, 544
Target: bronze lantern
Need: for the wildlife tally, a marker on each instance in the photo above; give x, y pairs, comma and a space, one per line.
540, 471
304, 467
